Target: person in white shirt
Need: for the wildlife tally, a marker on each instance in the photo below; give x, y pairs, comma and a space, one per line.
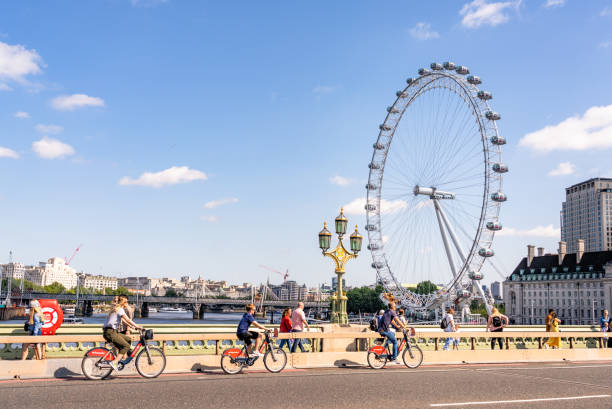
298, 320
450, 327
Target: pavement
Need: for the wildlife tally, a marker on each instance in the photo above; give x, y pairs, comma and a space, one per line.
501, 386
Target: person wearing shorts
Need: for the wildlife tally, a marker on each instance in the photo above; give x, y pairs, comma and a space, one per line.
243, 333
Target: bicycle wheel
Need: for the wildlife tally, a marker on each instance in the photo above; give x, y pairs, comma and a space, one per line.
412, 356
92, 370
230, 366
376, 361
150, 362
275, 360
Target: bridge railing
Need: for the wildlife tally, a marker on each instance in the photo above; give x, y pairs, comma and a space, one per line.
216, 343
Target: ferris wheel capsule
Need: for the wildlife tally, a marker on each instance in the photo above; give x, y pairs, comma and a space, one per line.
474, 80
475, 275
392, 110
494, 226
409, 80
378, 264
463, 70
373, 246
370, 207
384, 127
373, 165
449, 65
486, 252
424, 71
370, 227
493, 116
499, 197
436, 66
500, 168
498, 140
401, 94
484, 95
379, 146
371, 186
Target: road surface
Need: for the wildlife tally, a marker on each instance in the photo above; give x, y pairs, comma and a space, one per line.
500, 386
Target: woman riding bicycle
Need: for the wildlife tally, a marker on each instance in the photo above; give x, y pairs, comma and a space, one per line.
111, 332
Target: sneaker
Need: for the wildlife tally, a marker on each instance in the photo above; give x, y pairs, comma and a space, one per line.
255, 353
397, 362
126, 361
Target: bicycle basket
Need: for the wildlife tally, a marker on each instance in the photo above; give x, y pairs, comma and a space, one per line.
148, 334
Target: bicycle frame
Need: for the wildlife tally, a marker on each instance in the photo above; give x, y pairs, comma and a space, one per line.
242, 354
385, 350
108, 354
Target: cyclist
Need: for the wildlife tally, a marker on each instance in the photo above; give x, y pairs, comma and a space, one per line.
388, 320
111, 333
243, 333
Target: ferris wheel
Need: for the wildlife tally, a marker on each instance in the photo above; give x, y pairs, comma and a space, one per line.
434, 190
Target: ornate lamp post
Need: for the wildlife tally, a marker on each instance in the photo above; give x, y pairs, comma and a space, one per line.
341, 256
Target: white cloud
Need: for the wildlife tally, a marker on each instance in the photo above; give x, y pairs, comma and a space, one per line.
49, 148
170, 176
49, 129
604, 44
340, 180
8, 153
422, 31
554, 3
538, 231
589, 131
74, 101
16, 62
479, 13
216, 203
357, 206
4, 87
607, 11
21, 115
209, 219
564, 168
324, 89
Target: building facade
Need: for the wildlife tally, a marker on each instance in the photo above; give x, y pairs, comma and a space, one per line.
54, 270
98, 282
578, 286
587, 214
12, 270
496, 290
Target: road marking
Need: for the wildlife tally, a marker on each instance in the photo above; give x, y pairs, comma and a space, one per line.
544, 367
492, 402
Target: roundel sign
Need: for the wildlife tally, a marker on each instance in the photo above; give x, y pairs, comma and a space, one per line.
53, 316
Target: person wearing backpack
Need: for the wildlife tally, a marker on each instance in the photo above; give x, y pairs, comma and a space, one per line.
448, 325
496, 323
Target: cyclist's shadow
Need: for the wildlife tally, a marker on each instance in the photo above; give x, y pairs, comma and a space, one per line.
204, 368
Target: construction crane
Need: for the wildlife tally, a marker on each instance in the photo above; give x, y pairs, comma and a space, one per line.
69, 260
284, 275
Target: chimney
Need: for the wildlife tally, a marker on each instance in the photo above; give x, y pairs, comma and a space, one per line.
530, 253
580, 251
540, 251
562, 251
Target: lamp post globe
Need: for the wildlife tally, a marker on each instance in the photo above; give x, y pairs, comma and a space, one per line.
356, 240
324, 238
341, 223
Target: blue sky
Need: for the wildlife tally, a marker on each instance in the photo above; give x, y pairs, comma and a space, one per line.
255, 108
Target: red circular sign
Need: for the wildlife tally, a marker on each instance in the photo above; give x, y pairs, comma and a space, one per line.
52, 315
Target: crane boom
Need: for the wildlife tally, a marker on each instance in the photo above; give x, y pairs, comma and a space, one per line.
69, 260
284, 275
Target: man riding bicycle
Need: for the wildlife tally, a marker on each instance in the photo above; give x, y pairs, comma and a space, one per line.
111, 333
389, 319
243, 333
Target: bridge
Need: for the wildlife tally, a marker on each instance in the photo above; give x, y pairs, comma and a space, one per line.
197, 305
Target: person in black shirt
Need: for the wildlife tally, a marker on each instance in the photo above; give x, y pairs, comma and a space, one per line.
388, 320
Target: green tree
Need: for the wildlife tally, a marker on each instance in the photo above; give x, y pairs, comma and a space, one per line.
426, 287
122, 291
171, 292
54, 288
364, 300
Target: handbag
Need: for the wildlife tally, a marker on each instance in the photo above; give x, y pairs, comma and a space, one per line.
26, 326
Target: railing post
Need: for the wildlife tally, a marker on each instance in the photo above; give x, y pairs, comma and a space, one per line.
571, 342
472, 339
436, 343
507, 343
539, 342
163, 346
600, 343
217, 347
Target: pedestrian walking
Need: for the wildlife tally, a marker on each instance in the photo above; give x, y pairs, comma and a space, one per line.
604, 324
35, 323
553, 325
496, 323
298, 320
285, 327
449, 326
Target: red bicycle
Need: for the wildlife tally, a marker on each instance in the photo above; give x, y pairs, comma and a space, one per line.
235, 359
150, 361
412, 356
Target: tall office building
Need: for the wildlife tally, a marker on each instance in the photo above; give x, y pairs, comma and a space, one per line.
587, 214
496, 290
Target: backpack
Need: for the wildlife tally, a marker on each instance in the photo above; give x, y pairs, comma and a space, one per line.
374, 324
443, 323
26, 326
497, 322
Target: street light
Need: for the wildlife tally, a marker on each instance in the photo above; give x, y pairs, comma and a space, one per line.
341, 256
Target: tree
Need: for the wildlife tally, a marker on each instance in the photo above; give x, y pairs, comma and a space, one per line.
122, 291
54, 288
426, 287
364, 299
171, 292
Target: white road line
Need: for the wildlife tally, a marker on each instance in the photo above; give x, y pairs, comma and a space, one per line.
531, 368
492, 402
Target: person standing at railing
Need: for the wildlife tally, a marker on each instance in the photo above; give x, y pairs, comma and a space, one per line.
496, 323
604, 324
298, 320
285, 327
35, 323
553, 325
450, 327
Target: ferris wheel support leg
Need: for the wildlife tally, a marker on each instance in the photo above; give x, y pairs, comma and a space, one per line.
488, 306
451, 232
444, 239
